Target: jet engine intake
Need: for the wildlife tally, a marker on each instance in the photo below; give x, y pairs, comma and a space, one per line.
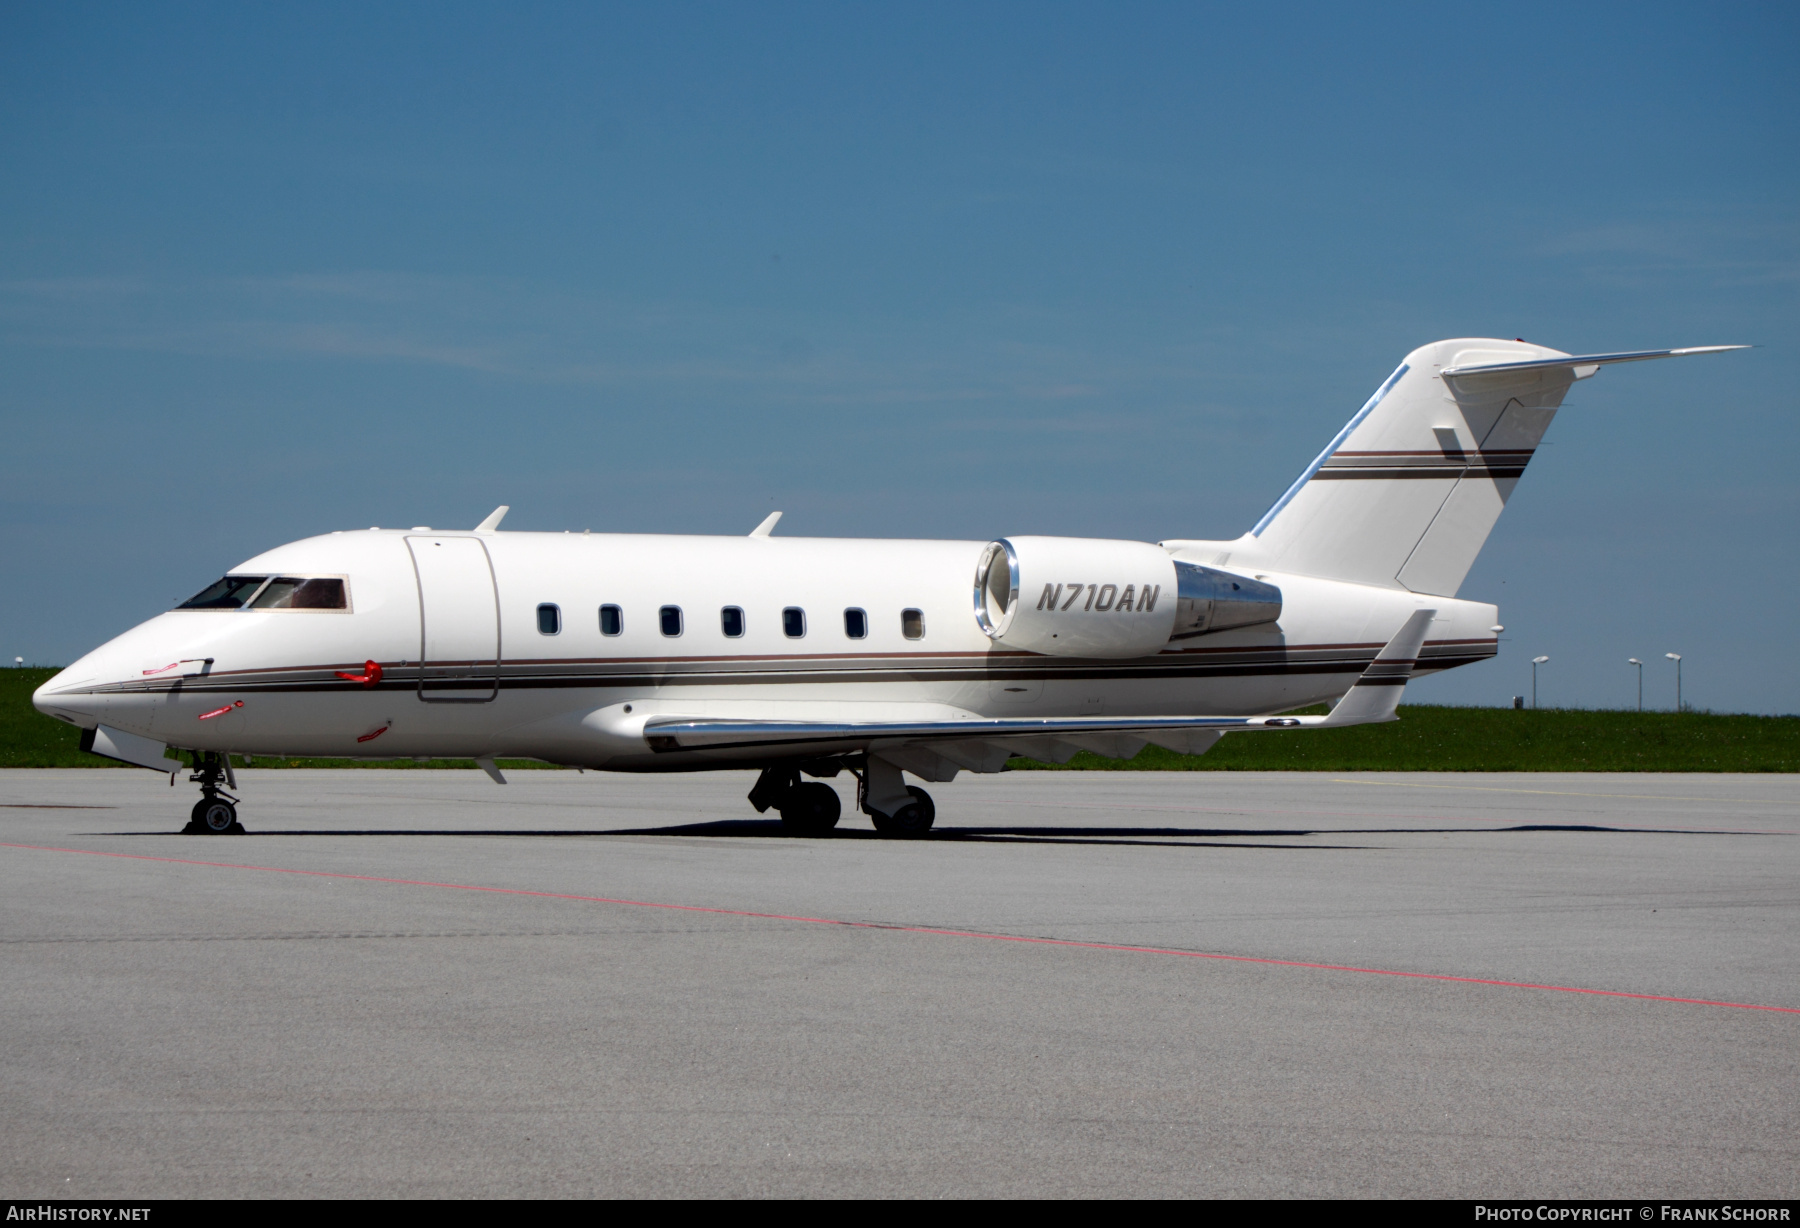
1075, 596
1209, 600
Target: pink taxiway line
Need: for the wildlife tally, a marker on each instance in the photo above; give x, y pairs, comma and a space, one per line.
918, 929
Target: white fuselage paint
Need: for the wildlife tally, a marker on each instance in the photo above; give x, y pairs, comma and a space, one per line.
580, 698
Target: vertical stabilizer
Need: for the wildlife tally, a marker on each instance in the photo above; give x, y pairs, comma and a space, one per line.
1407, 492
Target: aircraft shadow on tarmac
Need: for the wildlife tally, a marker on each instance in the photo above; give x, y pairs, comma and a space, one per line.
1166, 837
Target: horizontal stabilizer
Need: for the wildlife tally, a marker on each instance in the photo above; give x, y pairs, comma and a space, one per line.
1591, 361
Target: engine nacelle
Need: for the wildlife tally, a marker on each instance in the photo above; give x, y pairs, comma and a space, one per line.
1076, 596
1083, 597
1210, 600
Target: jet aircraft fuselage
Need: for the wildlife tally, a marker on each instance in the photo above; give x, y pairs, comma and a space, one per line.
561, 646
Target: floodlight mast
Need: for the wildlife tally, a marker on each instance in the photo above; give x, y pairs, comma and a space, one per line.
1676, 657
1535, 662
1640, 670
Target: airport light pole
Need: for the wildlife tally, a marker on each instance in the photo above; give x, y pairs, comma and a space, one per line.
1676, 657
1535, 662
1640, 665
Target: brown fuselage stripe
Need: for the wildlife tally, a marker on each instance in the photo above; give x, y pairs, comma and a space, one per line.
513, 680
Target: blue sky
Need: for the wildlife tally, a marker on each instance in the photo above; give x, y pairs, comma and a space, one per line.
907, 270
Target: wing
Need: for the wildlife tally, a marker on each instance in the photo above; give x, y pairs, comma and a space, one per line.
931, 748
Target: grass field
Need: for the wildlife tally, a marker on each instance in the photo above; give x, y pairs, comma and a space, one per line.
1425, 739
1433, 739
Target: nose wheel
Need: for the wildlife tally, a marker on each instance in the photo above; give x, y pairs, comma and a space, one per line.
215, 814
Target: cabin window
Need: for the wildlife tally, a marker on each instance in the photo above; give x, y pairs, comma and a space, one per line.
671, 620
296, 593
793, 622
612, 620
912, 624
549, 619
228, 594
856, 623
731, 622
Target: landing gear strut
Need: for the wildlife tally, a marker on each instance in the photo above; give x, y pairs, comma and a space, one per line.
216, 811
896, 808
809, 809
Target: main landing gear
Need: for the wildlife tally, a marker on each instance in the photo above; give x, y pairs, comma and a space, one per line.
216, 811
807, 809
895, 807
811, 808
912, 819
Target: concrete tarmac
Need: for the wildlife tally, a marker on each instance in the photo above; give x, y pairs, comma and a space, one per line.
1104, 984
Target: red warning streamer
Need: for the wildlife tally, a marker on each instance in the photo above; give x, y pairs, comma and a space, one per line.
369, 677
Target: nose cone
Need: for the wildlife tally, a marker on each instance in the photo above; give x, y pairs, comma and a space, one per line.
97, 688
69, 696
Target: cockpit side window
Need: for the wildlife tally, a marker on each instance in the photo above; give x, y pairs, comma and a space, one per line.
302, 593
228, 594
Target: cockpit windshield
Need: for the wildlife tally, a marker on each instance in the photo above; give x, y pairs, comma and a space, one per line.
228, 594
295, 593
272, 593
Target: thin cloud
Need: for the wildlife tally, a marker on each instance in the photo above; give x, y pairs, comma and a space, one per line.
1728, 251
520, 331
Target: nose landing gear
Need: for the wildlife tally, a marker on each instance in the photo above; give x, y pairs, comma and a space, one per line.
216, 811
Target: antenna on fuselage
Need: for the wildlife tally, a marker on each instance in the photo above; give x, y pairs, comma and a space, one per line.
492, 523
767, 526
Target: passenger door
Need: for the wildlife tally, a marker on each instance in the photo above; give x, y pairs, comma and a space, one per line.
459, 614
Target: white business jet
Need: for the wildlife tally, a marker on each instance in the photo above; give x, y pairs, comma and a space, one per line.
806, 657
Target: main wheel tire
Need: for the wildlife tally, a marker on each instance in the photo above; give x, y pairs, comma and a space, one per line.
911, 820
215, 817
811, 809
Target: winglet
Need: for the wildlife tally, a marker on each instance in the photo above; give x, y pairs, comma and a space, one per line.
492, 523
1377, 693
767, 526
